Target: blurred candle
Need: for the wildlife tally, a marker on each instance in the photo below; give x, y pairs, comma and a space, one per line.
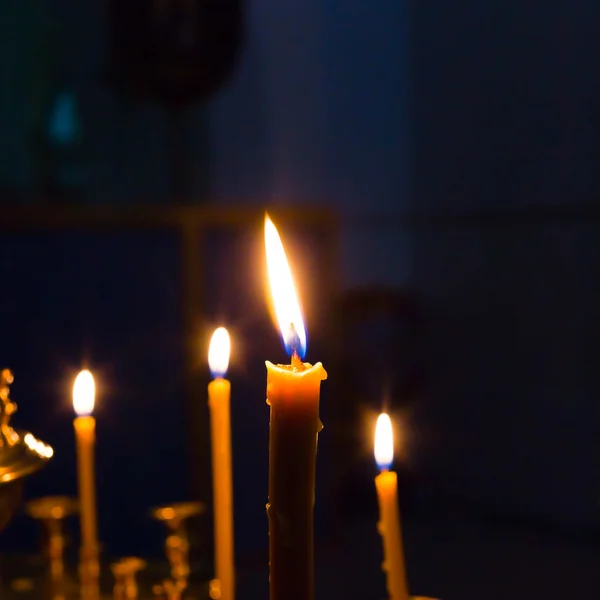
218, 402
84, 391
389, 527
293, 395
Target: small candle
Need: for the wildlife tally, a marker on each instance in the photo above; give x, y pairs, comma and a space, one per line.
218, 402
84, 391
386, 484
293, 395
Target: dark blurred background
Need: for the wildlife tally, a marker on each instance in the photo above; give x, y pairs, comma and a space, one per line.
435, 169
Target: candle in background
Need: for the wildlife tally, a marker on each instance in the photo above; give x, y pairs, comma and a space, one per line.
389, 515
84, 391
218, 401
293, 394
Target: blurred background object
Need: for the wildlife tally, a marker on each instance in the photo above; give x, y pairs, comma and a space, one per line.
177, 53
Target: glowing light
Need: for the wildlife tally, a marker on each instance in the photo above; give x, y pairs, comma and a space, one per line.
64, 125
384, 442
84, 391
285, 298
218, 353
38, 446
167, 513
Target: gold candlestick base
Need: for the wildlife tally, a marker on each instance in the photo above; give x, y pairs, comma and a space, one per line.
52, 511
169, 590
125, 572
174, 517
89, 574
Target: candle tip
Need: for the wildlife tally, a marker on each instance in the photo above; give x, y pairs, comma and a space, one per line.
297, 362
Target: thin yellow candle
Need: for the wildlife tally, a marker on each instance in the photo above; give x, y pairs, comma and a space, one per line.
389, 527
218, 401
84, 391
293, 395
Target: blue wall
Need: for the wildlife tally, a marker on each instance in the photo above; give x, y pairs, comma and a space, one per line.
507, 119
316, 112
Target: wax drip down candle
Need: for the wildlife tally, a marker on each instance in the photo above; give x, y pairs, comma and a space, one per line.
293, 394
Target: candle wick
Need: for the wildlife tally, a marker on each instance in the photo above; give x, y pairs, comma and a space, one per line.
296, 361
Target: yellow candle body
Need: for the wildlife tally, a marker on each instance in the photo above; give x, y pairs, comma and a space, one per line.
391, 533
85, 432
218, 402
293, 394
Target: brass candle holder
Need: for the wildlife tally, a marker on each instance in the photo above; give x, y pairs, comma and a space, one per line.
52, 511
169, 590
125, 571
174, 517
20, 453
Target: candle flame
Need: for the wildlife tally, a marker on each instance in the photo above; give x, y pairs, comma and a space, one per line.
283, 290
384, 442
84, 391
218, 353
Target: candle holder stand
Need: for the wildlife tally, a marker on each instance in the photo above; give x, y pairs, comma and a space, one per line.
51, 511
20, 453
125, 571
169, 590
177, 545
89, 574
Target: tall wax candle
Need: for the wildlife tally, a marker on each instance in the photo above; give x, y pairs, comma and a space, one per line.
293, 395
85, 432
389, 527
218, 402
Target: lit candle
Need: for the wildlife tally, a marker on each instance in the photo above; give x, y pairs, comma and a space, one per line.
84, 391
389, 524
293, 394
218, 402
